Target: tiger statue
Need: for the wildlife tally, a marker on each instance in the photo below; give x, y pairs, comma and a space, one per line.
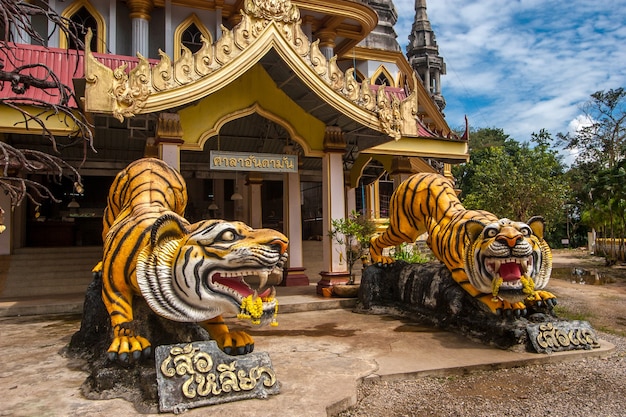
185, 272
502, 263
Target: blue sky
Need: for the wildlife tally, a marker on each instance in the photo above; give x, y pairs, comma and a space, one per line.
524, 65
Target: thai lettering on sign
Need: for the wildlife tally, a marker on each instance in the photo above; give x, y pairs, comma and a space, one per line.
265, 162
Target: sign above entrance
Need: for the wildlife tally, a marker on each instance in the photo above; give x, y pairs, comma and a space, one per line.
246, 161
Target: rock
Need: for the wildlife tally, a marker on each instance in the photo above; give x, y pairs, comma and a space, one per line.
137, 381
426, 293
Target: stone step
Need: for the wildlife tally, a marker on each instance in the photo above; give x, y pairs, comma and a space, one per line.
44, 267
37, 272
51, 253
45, 291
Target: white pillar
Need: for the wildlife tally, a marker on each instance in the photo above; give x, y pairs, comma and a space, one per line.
327, 43
240, 206
54, 41
218, 22
292, 209
293, 218
141, 40
333, 207
169, 32
327, 51
170, 153
111, 42
20, 35
350, 199
140, 12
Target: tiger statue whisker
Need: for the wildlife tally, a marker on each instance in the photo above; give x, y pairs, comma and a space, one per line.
502, 263
185, 272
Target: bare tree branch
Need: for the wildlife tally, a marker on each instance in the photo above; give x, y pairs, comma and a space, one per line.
20, 77
15, 162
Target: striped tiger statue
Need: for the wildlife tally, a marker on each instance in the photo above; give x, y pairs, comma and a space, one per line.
502, 263
185, 272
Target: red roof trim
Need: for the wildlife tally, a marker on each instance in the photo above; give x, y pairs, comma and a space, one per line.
66, 64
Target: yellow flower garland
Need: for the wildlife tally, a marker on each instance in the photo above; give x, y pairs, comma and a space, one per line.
528, 287
253, 309
495, 287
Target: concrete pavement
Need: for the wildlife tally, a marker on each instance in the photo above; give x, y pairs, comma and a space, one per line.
320, 351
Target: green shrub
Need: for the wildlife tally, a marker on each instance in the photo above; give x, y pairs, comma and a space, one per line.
354, 232
408, 252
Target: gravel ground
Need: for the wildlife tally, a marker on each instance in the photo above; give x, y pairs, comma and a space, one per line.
592, 387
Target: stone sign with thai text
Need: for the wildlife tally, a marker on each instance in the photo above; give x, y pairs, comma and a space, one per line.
247, 161
197, 374
558, 336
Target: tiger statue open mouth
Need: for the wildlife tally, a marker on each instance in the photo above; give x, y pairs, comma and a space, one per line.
508, 259
502, 263
193, 273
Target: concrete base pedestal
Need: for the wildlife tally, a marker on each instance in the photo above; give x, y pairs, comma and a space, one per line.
330, 279
295, 277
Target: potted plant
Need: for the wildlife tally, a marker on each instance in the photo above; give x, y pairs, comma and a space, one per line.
354, 233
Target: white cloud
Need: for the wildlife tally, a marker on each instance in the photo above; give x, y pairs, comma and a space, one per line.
523, 65
578, 123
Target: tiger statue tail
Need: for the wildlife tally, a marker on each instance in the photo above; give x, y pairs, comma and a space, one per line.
502, 263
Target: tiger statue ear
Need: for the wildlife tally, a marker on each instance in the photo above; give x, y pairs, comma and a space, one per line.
166, 228
473, 229
537, 225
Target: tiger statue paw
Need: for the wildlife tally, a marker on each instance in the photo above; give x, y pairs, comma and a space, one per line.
505, 308
384, 262
189, 273
503, 263
235, 343
541, 298
376, 255
128, 348
230, 342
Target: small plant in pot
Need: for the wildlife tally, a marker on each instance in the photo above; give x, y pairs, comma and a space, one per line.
354, 233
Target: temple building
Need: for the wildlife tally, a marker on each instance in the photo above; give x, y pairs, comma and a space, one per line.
282, 114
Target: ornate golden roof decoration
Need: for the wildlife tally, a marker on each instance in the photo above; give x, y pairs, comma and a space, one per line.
127, 94
273, 10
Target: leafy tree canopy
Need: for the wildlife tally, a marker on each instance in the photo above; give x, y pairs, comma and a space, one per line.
512, 179
603, 140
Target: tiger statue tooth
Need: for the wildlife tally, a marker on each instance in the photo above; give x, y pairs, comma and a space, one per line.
503, 263
186, 272
263, 275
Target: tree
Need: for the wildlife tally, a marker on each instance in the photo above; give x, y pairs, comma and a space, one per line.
603, 141
515, 180
604, 206
17, 79
354, 233
598, 175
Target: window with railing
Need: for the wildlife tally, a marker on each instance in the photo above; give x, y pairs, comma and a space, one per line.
190, 34
83, 20
191, 38
83, 16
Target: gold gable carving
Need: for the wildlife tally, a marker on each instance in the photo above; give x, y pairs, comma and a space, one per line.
126, 94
